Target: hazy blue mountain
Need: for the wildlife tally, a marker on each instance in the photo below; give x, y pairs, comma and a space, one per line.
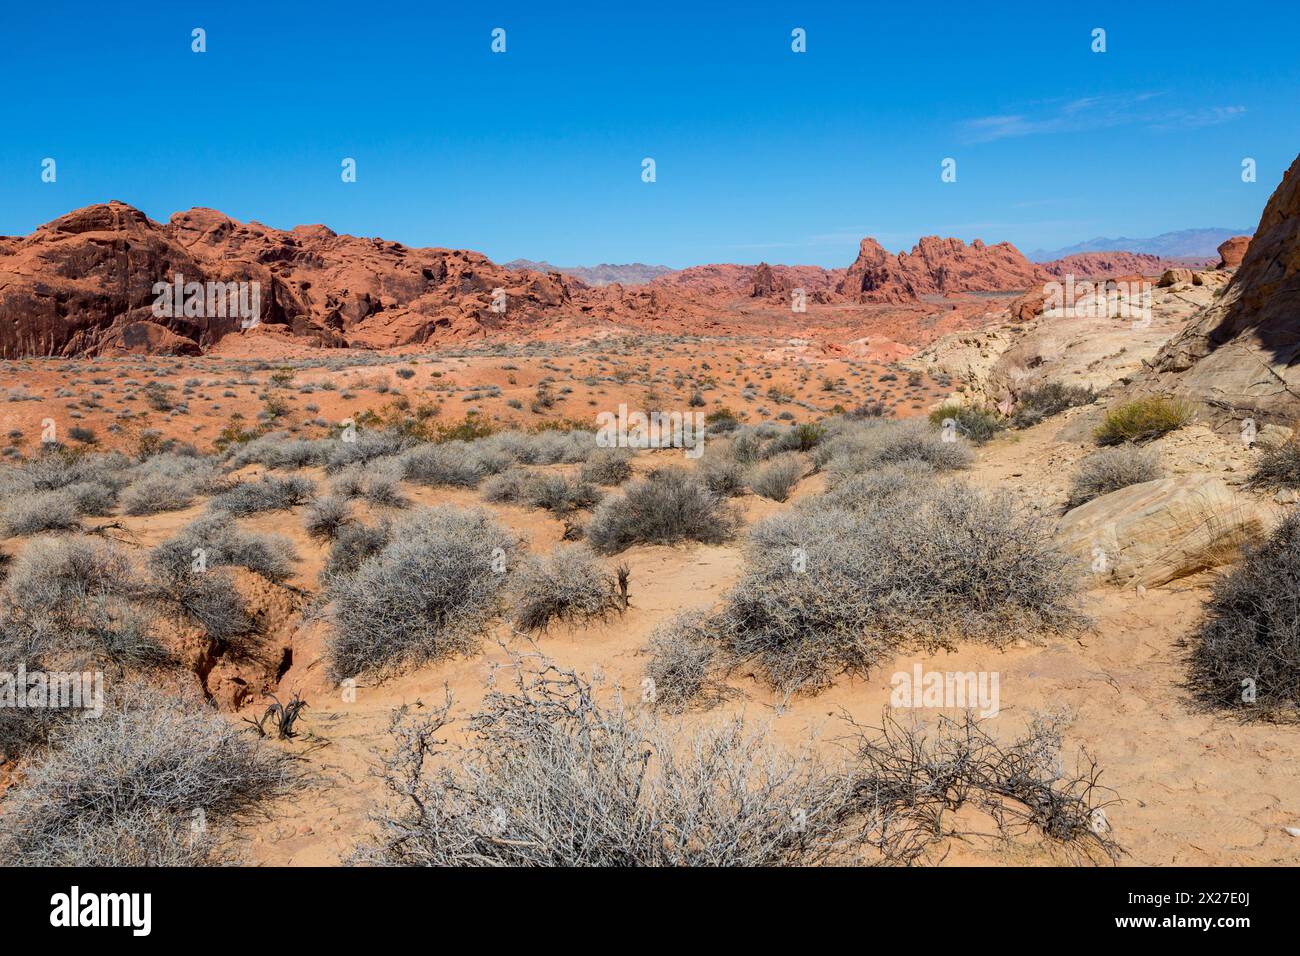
1200, 243
633, 273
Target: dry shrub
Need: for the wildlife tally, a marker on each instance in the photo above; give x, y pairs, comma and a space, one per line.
325, 517
127, 789
74, 602
720, 473
353, 545
268, 493
777, 478
452, 464
1245, 654
220, 541
829, 589
665, 507
859, 447
1041, 402
686, 664
553, 775
168, 482
568, 585
918, 778
1278, 467
1112, 469
430, 592
607, 466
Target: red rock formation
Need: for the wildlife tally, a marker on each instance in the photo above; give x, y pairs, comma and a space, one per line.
765, 283
1232, 251
729, 279
84, 284
935, 267
1113, 265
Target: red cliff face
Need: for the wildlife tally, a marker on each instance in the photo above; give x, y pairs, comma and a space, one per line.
936, 266
84, 284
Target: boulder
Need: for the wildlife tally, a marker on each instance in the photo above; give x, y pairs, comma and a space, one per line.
1158, 531
1232, 251
1172, 277
1273, 436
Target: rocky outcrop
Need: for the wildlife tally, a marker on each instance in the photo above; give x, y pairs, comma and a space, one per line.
1240, 357
936, 266
1158, 531
84, 284
1097, 339
1114, 265
765, 283
729, 279
1233, 251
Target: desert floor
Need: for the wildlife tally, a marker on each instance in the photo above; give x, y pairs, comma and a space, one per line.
1195, 788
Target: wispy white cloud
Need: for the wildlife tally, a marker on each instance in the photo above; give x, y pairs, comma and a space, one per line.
1090, 113
1195, 119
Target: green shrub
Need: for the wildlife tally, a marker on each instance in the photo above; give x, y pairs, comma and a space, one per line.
1143, 420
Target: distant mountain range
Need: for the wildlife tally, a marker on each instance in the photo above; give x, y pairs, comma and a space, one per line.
1198, 243
633, 273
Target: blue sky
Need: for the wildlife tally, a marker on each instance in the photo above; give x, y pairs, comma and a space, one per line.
761, 153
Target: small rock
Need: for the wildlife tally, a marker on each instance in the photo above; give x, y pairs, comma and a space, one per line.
1273, 436
1294, 831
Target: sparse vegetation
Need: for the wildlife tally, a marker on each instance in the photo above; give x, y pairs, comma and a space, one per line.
429, 592
1143, 420
1112, 469
1050, 398
1245, 654
568, 585
665, 507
